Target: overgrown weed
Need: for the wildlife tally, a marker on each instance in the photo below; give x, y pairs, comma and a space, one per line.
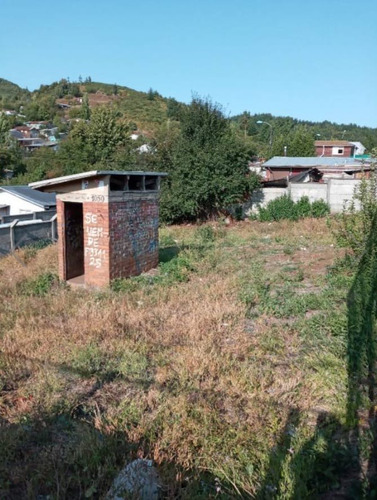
197, 366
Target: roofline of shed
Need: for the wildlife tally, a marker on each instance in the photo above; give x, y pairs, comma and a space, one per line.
92, 173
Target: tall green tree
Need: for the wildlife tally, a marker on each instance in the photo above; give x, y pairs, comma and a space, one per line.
99, 140
207, 165
85, 108
4, 129
298, 142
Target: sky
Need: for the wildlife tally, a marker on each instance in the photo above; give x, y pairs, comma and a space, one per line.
312, 60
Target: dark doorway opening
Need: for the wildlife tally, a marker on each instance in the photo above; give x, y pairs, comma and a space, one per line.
74, 240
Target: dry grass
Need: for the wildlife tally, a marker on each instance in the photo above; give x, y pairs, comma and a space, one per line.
201, 375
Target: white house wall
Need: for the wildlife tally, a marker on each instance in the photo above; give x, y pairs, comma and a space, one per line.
18, 205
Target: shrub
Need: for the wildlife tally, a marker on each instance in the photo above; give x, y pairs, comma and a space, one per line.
352, 227
303, 207
280, 208
39, 286
285, 208
319, 209
205, 234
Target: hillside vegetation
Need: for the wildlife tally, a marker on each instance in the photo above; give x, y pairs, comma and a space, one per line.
228, 367
11, 95
299, 135
146, 109
149, 110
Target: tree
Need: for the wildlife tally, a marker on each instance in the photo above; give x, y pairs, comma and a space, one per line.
173, 108
11, 159
100, 138
41, 109
207, 165
42, 163
85, 108
299, 142
151, 94
244, 122
4, 129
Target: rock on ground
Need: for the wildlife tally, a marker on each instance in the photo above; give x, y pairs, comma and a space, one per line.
138, 479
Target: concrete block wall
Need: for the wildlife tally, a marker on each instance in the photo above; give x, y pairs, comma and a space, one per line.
16, 235
314, 191
337, 193
340, 192
133, 236
261, 197
43, 215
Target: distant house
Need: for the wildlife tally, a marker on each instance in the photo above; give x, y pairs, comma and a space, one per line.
24, 130
49, 132
280, 167
38, 125
334, 148
15, 200
31, 143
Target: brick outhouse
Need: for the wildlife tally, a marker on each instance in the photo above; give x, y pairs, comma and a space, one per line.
107, 224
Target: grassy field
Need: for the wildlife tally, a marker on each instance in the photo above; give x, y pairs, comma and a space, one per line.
227, 366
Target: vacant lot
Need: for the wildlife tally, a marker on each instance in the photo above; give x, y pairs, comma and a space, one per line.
227, 366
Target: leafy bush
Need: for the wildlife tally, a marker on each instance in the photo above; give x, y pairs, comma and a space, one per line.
285, 208
39, 286
280, 208
207, 165
205, 234
303, 207
352, 227
319, 209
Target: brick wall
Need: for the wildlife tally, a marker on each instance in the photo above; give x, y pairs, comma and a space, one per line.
133, 236
120, 239
61, 238
96, 244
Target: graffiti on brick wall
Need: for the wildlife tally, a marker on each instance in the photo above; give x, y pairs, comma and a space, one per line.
94, 234
134, 233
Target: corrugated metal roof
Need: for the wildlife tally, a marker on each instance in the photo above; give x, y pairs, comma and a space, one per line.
333, 143
37, 197
86, 175
310, 161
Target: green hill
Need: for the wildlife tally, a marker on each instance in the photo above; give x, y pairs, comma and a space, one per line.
11, 94
147, 110
282, 126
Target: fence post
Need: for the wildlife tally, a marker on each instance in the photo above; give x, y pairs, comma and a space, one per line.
53, 226
11, 234
328, 195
